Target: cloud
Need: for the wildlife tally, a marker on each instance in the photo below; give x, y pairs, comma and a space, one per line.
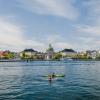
53, 38
9, 33
93, 5
35, 44
62, 45
87, 32
88, 29
12, 36
62, 8
58, 41
93, 9
88, 36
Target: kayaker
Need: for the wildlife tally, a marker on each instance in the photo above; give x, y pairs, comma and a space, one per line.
50, 77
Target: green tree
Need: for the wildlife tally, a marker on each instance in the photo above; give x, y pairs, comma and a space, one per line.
9, 55
57, 56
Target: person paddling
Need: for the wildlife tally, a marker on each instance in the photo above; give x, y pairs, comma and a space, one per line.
50, 77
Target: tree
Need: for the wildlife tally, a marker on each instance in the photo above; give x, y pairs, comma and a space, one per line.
57, 56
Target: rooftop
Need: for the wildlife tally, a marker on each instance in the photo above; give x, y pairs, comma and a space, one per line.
29, 50
68, 50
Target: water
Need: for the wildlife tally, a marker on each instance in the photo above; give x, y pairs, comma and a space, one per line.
24, 81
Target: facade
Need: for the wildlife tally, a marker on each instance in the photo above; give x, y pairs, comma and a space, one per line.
68, 53
6, 54
16, 55
49, 53
98, 54
28, 53
1, 54
92, 54
40, 56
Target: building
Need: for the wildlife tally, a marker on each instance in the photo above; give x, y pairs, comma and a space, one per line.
68, 53
28, 53
98, 54
1, 54
49, 53
6, 54
40, 56
92, 54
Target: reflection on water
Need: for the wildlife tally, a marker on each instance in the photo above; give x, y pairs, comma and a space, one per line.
25, 81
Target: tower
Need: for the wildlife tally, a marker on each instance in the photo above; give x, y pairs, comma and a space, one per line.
49, 53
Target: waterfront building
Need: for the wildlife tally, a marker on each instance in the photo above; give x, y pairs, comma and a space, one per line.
6, 54
1, 54
40, 56
68, 53
92, 54
49, 53
28, 53
98, 54
16, 55
81, 53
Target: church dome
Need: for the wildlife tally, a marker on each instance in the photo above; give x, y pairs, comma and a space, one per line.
50, 49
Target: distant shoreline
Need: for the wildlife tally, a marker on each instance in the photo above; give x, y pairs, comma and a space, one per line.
24, 60
11, 60
42, 60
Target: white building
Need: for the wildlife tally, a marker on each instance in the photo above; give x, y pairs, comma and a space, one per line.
92, 54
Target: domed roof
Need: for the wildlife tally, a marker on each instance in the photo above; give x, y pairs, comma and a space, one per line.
50, 49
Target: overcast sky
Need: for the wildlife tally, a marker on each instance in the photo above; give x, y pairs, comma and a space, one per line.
36, 23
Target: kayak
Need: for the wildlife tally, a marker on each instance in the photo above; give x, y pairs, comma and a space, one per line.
58, 75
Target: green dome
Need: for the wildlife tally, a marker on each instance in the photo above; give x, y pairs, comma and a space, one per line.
50, 48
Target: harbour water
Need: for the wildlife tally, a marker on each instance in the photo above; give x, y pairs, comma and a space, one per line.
25, 81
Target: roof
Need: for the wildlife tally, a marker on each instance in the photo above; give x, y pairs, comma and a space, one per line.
29, 50
90, 51
68, 50
50, 48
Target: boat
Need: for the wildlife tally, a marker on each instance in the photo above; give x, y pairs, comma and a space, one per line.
60, 75
57, 75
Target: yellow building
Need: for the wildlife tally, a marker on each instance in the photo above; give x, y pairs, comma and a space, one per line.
68, 53
28, 53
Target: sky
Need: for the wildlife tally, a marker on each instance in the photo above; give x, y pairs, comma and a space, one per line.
36, 23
